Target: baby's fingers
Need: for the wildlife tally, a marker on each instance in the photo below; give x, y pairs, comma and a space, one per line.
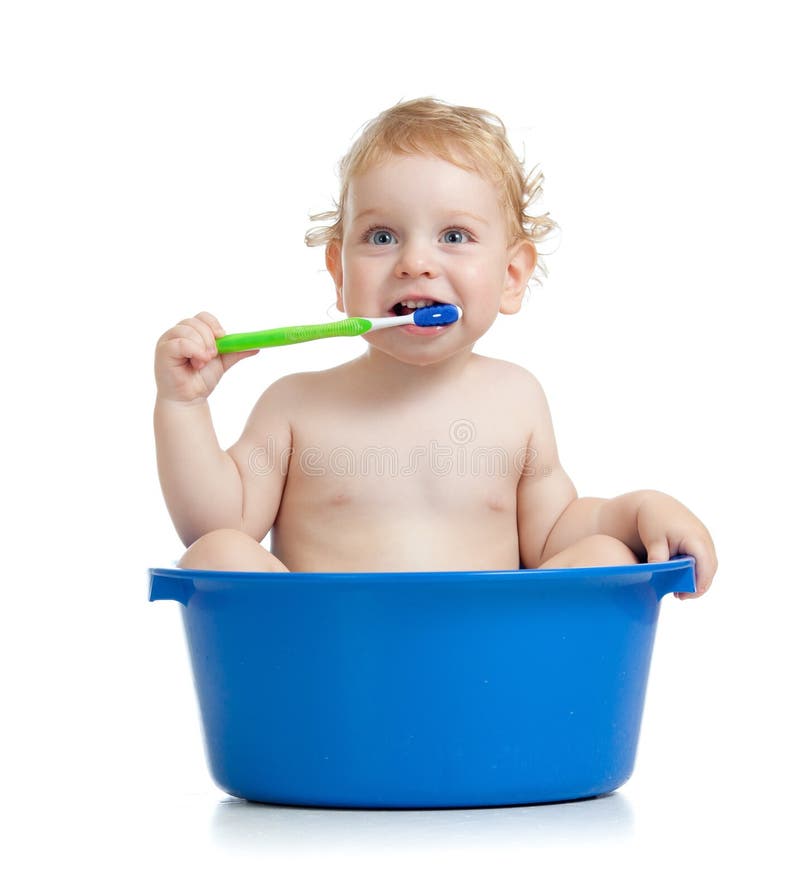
212, 322
705, 565
658, 550
183, 347
229, 359
662, 550
204, 325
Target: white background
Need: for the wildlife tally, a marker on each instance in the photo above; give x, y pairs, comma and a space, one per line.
161, 158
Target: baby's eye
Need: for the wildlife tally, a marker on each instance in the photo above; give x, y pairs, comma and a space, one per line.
379, 236
457, 236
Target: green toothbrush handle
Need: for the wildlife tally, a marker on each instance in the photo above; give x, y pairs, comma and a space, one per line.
290, 335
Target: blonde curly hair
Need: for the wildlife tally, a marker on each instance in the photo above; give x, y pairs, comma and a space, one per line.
471, 138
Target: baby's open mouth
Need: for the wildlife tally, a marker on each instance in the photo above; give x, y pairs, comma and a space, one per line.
401, 310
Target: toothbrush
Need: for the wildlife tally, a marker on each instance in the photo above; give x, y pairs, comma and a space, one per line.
437, 315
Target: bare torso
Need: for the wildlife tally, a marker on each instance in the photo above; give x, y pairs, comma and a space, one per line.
422, 481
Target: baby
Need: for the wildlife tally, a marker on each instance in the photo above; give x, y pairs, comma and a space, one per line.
418, 455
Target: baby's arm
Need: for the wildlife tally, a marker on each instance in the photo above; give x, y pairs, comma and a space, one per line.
205, 487
545, 490
653, 524
551, 517
200, 482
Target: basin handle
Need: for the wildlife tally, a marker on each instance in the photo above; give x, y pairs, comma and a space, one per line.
167, 585
675, 576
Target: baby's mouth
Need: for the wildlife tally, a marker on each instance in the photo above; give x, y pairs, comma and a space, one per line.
400, 310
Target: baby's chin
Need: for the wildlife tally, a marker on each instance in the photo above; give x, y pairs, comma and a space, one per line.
416, 355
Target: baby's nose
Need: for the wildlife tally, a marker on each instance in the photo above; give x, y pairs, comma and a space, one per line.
416, 259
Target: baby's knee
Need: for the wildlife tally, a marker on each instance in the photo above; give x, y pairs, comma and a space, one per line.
592, 551
602, 549
227, 549
214, 550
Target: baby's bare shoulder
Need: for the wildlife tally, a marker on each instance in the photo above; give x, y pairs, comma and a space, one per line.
282, 390
295, 390
301, 385
520, 382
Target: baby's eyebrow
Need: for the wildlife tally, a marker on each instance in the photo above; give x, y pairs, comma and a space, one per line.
468, 214
454, 213
365, 213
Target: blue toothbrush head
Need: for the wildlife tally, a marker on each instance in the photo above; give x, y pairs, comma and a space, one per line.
438, 315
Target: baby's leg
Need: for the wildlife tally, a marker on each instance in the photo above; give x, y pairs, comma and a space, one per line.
229, 550
599, 549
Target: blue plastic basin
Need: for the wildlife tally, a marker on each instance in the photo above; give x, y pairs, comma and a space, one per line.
422, 689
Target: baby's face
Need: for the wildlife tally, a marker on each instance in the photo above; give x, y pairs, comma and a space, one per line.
418, 227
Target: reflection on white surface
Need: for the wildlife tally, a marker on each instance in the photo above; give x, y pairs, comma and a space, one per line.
243, 826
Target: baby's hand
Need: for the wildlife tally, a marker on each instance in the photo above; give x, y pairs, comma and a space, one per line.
667, 528
188, 365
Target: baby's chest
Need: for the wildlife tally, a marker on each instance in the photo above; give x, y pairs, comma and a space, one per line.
455, 463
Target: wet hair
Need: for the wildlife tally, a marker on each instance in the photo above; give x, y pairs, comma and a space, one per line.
471, 138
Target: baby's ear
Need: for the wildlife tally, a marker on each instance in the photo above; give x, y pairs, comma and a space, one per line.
333, 261
522, 259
